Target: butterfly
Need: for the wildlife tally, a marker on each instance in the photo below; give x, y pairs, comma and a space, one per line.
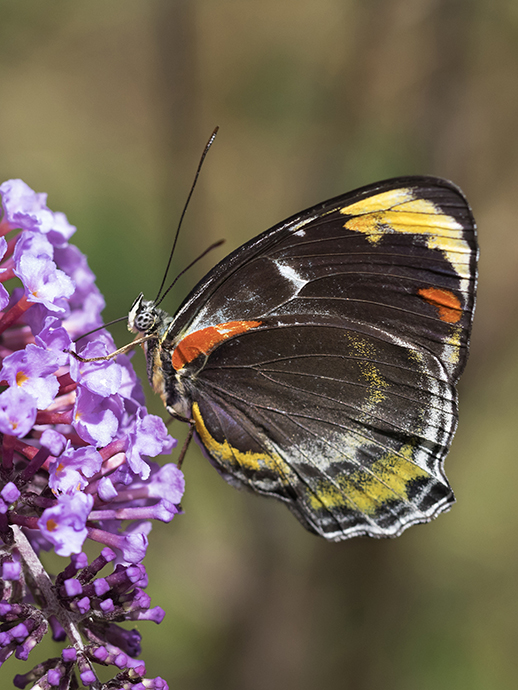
317, 363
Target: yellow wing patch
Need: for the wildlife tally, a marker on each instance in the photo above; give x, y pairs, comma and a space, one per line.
379, 202
375, 382
369, 371
389, 479
231, 457
400, 211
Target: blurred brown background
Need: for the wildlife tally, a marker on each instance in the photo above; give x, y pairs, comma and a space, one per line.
106, 106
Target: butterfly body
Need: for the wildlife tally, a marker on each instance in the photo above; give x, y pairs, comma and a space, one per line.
318, 362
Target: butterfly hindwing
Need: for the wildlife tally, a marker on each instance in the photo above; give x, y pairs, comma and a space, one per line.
319, 360
351, 430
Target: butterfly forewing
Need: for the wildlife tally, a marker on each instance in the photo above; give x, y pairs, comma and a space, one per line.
319, 360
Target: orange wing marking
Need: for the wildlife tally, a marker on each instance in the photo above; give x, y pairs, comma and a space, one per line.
446, 302
203, 341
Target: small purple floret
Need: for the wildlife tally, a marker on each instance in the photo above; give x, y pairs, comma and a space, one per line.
54, 676
10, 493
11, 570
17, 412
149, 439
83, 605
54, 441
96, 418
64, 524
73, 587
88, 677
34, 265
69, 654
107, 605
101, 653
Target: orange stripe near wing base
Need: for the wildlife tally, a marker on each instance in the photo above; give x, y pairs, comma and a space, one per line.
203, 341
446, 302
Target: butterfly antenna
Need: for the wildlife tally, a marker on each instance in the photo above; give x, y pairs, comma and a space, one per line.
205, 151
99, 328
209, 249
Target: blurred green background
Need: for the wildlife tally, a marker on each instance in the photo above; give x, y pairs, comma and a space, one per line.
106, 106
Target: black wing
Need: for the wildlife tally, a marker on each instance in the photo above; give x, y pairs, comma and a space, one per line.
337, 392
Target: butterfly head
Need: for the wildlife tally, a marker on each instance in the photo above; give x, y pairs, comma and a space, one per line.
144, 316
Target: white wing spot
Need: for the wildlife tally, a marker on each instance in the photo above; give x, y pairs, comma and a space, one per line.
290, 274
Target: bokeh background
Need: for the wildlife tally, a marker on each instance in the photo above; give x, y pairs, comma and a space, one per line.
106, 106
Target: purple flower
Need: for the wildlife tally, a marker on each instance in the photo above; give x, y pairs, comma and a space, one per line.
96, 419
106, 490
73, 468
31, 371
74, 459
131, 387
9, 495
11, 570
64, 525
149, 438
86, 319
87, 303
166, 482
54, 338
26, 210
36, 269
133, 546
17, 412
103, 378
54, 441
4, 295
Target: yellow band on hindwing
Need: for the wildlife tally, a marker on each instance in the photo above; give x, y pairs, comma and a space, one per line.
389, 479
230, 457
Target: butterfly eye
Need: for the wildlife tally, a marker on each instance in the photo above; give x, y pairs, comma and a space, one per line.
144, 321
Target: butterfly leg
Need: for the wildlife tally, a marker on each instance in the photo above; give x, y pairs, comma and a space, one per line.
120, 351
186, 443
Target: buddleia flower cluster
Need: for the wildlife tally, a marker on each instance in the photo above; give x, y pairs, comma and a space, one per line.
76, 442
